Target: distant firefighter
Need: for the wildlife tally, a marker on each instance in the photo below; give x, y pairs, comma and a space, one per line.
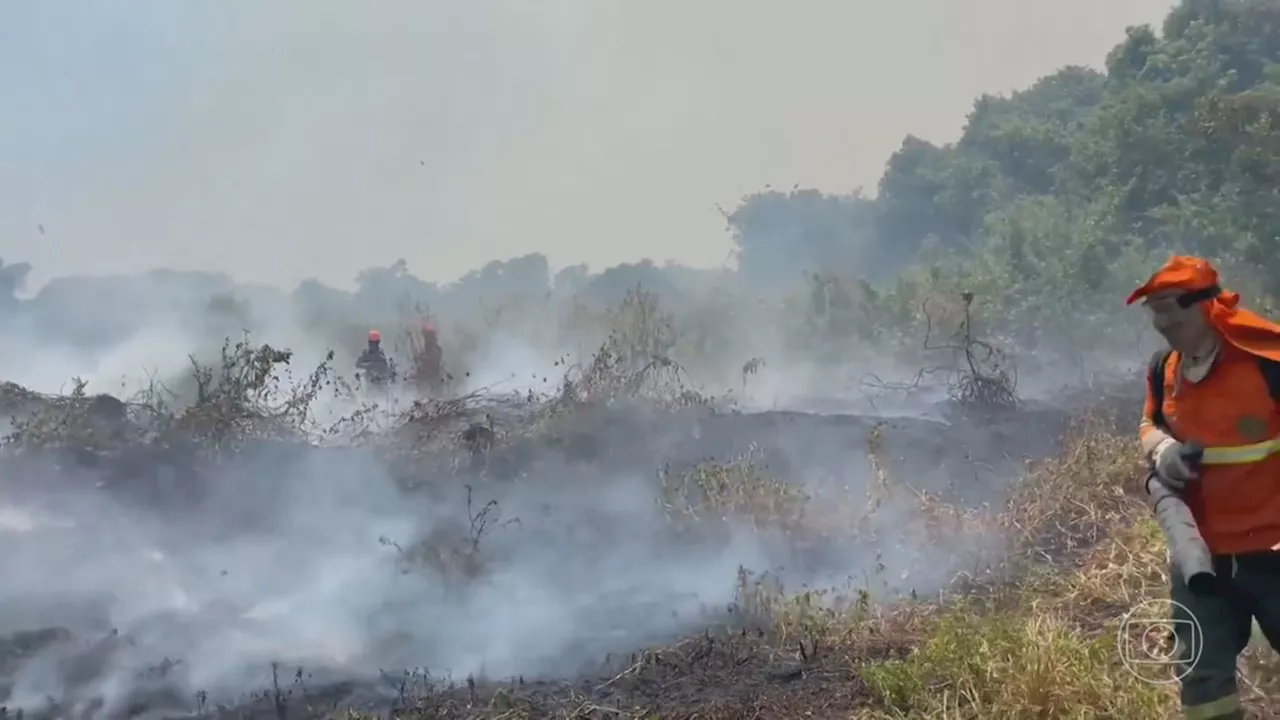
428, 357
373, 362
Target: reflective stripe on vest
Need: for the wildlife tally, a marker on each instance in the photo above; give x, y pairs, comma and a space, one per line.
1241, 454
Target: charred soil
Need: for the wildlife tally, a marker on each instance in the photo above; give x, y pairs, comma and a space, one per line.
1045, 545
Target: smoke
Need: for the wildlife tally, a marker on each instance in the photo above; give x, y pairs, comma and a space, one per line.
510, 364
309, 139
292, 554
312, 139
317, 558
284, 563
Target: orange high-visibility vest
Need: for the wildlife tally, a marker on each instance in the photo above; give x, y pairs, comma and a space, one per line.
1231, 414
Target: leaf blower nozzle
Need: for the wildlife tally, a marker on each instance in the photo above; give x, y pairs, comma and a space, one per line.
1187, 548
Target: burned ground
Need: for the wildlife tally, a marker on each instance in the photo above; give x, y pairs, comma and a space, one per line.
804, 489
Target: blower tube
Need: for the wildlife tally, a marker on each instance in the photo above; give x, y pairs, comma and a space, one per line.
1187, 547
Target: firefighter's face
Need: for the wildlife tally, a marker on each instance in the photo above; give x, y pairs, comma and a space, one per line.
1186, 329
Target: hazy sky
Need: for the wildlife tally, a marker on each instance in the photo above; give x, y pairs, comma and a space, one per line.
293, 138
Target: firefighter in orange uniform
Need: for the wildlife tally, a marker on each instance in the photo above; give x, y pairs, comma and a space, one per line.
373, 361
429, 357
1214, 388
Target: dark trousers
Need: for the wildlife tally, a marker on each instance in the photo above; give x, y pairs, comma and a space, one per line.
1248, 590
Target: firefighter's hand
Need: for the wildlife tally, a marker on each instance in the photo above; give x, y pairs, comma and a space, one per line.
1171, 469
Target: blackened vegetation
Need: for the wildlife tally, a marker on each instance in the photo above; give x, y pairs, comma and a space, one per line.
975, 373
621, 413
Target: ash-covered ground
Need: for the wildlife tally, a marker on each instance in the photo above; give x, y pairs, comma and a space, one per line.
485, 555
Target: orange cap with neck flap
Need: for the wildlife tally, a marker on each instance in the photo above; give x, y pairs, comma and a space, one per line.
1198, 280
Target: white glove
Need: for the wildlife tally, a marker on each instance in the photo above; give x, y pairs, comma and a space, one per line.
1171, 469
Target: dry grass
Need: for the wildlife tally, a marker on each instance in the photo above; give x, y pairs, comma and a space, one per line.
737, 490
1036, 638
1042, 642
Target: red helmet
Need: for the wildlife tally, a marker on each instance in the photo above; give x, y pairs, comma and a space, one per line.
375, 336
428, 326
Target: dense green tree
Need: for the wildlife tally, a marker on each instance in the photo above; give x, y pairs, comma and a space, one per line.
1051, 203
611, 286
1175, 147
780, 236
527, 275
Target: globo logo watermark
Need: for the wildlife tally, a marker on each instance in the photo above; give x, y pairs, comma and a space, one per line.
1160, 641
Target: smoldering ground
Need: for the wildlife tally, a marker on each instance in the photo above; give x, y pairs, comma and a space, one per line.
158, 576
292, 556
569, 547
